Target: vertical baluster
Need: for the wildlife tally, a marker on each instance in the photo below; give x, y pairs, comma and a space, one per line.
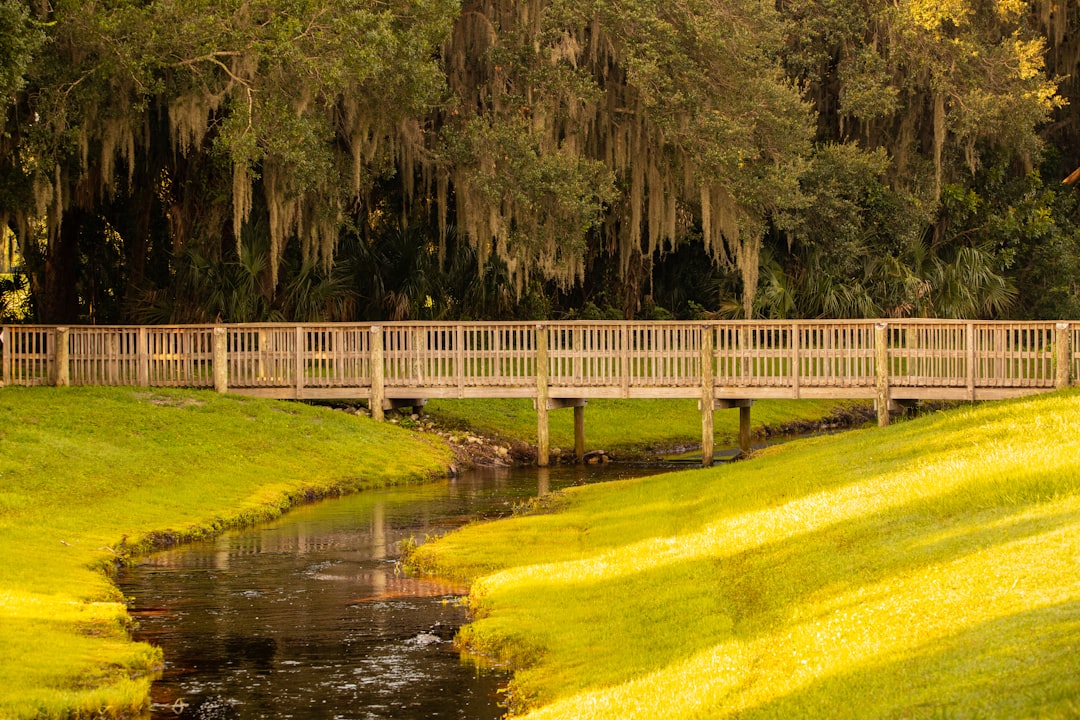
459, 359
306, 345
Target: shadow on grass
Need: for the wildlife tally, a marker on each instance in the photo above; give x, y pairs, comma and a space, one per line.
682, 606
999, 676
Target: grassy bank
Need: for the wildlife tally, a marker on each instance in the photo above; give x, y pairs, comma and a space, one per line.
631, 428
928, 569
90, 474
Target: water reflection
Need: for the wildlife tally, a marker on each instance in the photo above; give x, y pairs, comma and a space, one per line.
307, 616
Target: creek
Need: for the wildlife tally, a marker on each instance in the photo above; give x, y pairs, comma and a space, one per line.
308, 616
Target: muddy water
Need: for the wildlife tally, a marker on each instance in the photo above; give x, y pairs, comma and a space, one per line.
307, 617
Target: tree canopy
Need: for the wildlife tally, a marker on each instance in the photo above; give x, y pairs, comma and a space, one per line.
188, 160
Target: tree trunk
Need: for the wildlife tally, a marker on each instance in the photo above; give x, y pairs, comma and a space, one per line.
136, 234
61, 301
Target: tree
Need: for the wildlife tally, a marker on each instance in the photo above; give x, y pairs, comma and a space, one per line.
647, 118
20, 41
551, 144
207, 104
935, 84
912, 98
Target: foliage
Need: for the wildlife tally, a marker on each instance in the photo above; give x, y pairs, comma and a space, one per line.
14, 298
817, 154
917, 103
897, 565
239, 291
197, 101
20, 41
1029, 223
682, 106
91, 475
934, 84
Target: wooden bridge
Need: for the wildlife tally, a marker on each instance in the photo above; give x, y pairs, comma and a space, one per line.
563, 364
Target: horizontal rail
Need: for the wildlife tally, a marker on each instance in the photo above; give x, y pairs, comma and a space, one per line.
952, 359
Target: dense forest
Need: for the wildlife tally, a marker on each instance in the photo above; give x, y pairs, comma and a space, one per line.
246, 160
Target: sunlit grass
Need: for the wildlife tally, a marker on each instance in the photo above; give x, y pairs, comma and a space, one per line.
627, 427
90, 475
929, 569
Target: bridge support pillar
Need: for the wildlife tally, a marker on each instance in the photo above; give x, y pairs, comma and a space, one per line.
744, 406
417, 404
543, 448
744, 428
708, 395
707, 430
579, 433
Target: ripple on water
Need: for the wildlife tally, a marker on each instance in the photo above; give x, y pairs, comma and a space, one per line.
307, 618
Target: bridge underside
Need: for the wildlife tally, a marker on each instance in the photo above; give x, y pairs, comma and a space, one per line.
724, 398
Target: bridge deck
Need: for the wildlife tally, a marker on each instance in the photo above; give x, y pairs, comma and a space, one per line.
886, 360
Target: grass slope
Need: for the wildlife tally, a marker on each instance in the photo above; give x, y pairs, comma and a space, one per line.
87, 474
925, 570
627, 428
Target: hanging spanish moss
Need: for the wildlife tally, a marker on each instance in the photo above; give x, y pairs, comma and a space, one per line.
644, 152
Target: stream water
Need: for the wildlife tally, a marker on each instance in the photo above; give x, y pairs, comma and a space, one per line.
307, 616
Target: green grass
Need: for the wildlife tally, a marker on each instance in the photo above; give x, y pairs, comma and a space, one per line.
627, 428
88, 476
925, 570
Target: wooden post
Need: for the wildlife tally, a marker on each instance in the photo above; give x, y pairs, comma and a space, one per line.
142, 356
378, 377
543, 439
543, 482
881, 371
1063, 345
708, 395
61, 358
744, 429
418, 349
5, 357
114, 357
579, 432
221, 359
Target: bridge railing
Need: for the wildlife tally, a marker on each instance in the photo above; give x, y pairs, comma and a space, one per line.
984, 355
795, 354
584, 359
